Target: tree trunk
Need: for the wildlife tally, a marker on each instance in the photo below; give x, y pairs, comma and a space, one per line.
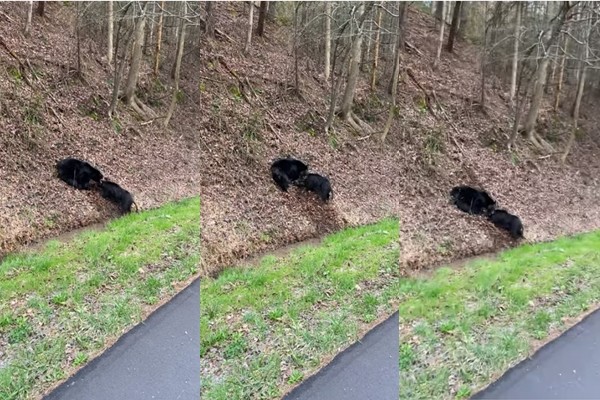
463, 22
402, 13
441, 36
484, 59
536, 98
454, 26
78, 34
376, 50
40, 8
327, 39
180, 46
250, 24
159, 38
584, 55
348, 98
542, 73
29, 16
515, 60
209, 28
272, 10
296, 72
561, 73
111, 18
119, 69
262, 14
136, 58
439, 10
394, 86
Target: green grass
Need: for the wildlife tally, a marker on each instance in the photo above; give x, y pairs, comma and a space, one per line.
61, 305
271, 325
462, 328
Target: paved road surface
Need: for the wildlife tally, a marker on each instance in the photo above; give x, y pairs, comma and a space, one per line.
158, 359
566, 368
367, 370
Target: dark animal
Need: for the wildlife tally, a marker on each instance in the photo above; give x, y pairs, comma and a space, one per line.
318, 184
472, 201
286, 171
116, 194
77, 173
504, 220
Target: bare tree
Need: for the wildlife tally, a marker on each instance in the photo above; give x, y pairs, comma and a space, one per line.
209, 27
353, 70
441, 37
29, 16
262, 14
561, 72
78, 34
159, 37
547, 39
120, 58
328, 17
134, 69
111, 18
376, 50
250, 24
181, 35
399, 46
454, 26
515, 60
584, 55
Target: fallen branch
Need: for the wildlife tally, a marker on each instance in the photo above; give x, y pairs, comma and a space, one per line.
235, 75
411, 75
450, 123
7, 17
22, 66
412, 47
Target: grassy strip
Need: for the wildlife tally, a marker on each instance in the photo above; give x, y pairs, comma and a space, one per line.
269, 326
462, 328
60, 306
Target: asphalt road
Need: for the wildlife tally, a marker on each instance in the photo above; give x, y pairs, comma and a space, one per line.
566, 368
158, 359
367, 370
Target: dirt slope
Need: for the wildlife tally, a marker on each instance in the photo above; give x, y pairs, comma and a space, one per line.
58, 115
551, 200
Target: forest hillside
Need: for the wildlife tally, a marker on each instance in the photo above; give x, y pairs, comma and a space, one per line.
244, 100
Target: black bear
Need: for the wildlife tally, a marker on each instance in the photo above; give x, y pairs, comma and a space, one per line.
472, 201
318, 184
77, 173
286, 171
504, 220
115, 193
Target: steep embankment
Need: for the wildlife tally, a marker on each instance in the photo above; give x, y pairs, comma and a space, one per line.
551, 199
239, 112
47, 113
411, 176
